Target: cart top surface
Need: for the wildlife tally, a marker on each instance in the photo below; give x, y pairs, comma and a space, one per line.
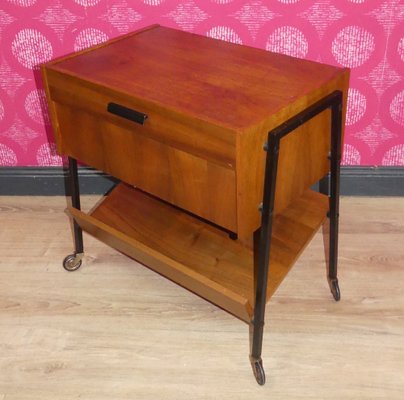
229, 85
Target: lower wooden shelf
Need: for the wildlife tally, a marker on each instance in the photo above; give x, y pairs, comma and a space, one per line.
195, 254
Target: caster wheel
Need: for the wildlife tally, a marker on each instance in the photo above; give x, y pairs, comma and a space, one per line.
258, 371
72, 262
334, 286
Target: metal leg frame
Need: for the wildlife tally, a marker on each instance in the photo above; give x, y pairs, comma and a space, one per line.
73, 261
330, 186
263, 235
336, 152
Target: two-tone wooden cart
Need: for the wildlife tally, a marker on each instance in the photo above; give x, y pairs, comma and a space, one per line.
217, 147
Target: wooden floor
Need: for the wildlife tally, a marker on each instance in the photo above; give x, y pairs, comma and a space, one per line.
116, 330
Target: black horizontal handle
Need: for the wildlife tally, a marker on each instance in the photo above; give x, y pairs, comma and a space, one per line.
127, 113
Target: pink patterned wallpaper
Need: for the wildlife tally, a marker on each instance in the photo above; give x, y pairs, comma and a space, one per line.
365, 35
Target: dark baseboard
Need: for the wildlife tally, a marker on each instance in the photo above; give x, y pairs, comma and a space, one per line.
51, 181
372, 181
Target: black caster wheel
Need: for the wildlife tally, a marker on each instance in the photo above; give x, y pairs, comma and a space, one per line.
334, 286
72, 262
258, 371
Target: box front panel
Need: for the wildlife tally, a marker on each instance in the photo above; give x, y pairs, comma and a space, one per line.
192, 183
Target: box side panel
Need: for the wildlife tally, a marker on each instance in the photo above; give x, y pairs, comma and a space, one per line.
303, 157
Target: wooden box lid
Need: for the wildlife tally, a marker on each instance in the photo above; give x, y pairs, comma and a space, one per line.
231, 86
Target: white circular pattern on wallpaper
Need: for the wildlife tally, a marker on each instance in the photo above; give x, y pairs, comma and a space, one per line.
89, 37
31, 48
35, 106
288, 40
288, 1
1, 111
352, 155
87, 3
7, 156
345, 33
353, 46
397, 108
224, 33
23, 3
400, 49
394, 156
47, 156
356, 106
153, 2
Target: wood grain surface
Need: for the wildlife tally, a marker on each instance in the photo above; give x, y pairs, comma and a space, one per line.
188, 181
217, 82
210, 104
196, 255
116, 330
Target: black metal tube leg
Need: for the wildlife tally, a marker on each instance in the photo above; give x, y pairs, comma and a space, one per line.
262, 245
262, 238
336, 151
75, 195
73, 261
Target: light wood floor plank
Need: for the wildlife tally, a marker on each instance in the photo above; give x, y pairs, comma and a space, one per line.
116, 330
